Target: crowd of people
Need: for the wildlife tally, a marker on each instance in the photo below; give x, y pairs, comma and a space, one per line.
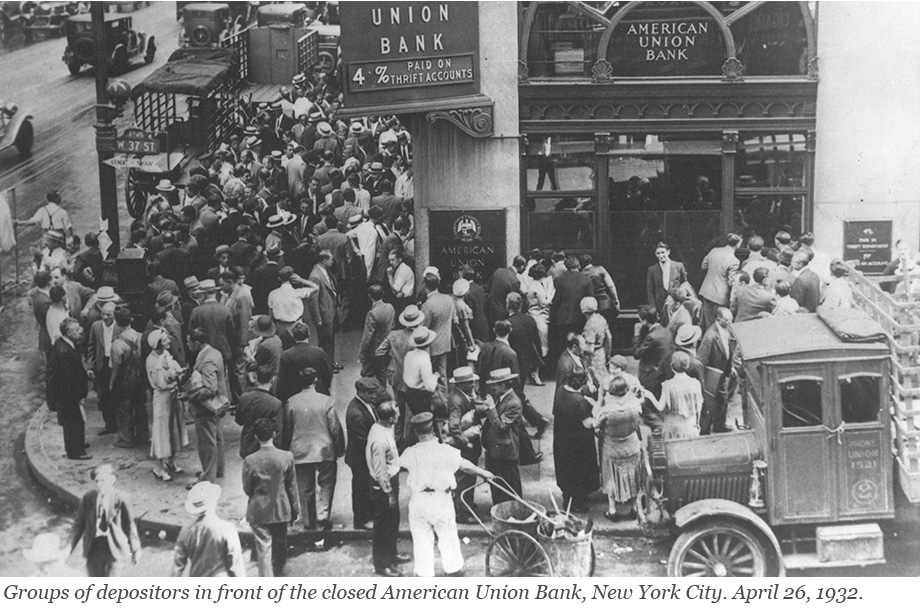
299, 227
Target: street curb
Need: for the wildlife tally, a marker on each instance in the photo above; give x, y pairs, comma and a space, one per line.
41, 465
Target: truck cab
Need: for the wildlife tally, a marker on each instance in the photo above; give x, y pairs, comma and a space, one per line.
806, 478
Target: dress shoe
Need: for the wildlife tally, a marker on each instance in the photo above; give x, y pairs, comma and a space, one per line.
365, 526
337, 367
388, 571
107, 431
83, 457
541, 428
403, 558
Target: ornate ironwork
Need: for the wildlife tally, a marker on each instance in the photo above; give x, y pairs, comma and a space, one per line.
732, 69
477, 122
523, 71
602, 71
813, 67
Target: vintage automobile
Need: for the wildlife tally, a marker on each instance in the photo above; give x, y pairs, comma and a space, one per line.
329, 37
16, 129
122, 44
807, 479
45, 17
285, 15
245, 11
207, 24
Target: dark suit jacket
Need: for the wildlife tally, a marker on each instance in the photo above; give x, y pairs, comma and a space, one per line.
711, 352
655, 288
264, 281
122, 534
217, 321
752, 301
296, 359
335, 242
525, 341
174, 263
495, 355
377, 325
242, 254
503, 281
653, 351
270, 484
571, 288
807, 290
324, 301
41, 301
458, 405
358, 423
95, 346
501, 429
67, 381
479, 324
565, 366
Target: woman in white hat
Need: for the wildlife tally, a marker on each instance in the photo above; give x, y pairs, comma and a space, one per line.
597, 338
168, 434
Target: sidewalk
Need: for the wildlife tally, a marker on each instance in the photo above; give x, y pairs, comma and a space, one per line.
159, 505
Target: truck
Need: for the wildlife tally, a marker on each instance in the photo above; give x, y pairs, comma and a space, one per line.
808, 478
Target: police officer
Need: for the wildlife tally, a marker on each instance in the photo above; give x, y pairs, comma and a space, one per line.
431, 466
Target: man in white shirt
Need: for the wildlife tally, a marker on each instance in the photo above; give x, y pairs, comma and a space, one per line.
418, 375
98, 365
50, 216
383, 464
362, 195
363, 235
402, 280
286, 302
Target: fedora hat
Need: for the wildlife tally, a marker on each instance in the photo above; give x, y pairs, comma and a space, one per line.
785, 256
166, 299
498, 376
376, 167
411, 316
263, 325
324, 129
421, 421
202, 497
46, 547
463, 374
273, 251
190, 284
208, 286
618, 360
106, 294
165, 186
354, 221
368, 385
688, 335
423, 337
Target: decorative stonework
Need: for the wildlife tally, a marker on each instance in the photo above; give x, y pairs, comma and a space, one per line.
732, 69
523, 72
602, 71
813, 68
476, 122
730, 142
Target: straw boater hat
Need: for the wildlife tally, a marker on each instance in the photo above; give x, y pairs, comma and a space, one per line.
106, 294
166, 299
277, 155
461, 287
376, 168
688, 335
251, 130
223, 248
422, 421
411, 316
498, 376
315, 115
46, 547
279, 220
464, 374
324, 129
253, 141
299, 79
354, 221
165, 186
263, 325
202, 497
423, 337
356, 129
208, 286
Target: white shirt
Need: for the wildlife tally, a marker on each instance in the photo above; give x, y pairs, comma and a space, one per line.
665, 274
286, 302
417, 372
362, 199
107, 334
431, 465
402, 281
51, 216
366, 236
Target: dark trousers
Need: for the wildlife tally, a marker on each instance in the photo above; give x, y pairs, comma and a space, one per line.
210, 445
466, 480
52, 406
106, 403
131, 415
316, 483
326, 340
99, 561
361, 504
386, 526
557, 335
507, 470
708, 314
232, 381
271, 548
71, 420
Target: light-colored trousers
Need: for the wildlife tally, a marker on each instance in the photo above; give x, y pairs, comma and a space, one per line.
432, 513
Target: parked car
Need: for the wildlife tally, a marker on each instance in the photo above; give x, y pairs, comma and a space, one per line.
16, 129
122, 43
45, 17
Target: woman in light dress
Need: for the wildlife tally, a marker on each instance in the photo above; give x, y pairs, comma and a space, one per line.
681, 400
597, 338
539, 291
616, 425
168, 433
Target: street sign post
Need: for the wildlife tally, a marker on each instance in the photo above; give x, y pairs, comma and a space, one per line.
124, 161
137, 142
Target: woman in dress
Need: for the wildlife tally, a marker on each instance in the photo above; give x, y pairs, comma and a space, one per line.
838, 293
573, 444
681, 400
617, 428
597, 338
539, 293
168, 433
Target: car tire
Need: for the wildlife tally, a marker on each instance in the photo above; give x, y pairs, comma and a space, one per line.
25, 138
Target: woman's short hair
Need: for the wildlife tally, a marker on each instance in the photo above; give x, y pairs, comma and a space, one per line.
680, 362
618, 386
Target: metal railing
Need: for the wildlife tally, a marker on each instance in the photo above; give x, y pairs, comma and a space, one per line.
307, 51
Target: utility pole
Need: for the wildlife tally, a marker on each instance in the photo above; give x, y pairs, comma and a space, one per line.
105, 130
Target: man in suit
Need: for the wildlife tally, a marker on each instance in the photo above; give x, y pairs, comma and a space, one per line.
68, 388
209, 545
504, 281
299, 357
222, 254
243, 251
476, 299
335, 242
394, 348
497, 354
360, 415
652, 347
571, 360
377, 326
463, 430
105, 525
270, 484
755, 300
439, 314
662, 278
565, 312
216, 320
210, 367
174, 261
718, 351
265, 279
388, 203
98, 364
525, 342
806, 289
720, 265
501, 423
323, 304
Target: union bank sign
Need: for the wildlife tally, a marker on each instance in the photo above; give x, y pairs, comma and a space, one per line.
666, 47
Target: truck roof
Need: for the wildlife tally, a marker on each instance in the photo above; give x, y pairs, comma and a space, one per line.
88, 18
209, 7
191, 72
798, 333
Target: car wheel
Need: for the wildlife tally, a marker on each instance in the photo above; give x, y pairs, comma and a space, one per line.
25, 138
716, 549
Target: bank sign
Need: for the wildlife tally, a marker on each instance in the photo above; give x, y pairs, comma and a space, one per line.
467, 237
666, 47
408, 51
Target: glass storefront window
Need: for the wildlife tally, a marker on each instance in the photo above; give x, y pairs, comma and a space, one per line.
562, 223
771, 40
563, 42
770, 161
561, 162
765, 215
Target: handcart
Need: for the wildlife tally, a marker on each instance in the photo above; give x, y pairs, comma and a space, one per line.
527, 541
